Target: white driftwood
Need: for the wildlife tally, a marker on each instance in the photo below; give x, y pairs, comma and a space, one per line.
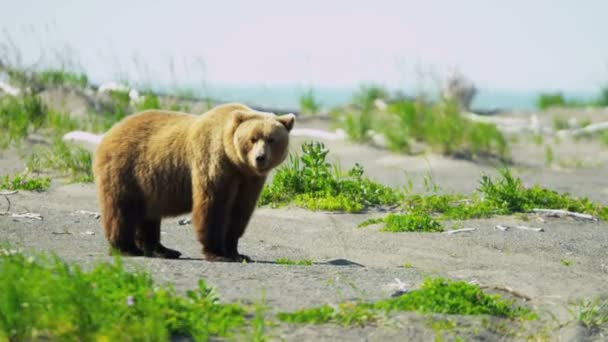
532, 229
6, 193
184, 222
505, 228
560, 213
596, 127
93, 214
33, 216
456, 231
501, 227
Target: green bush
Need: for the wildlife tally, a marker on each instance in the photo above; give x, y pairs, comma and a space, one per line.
62, 78
149, 101
43, 298
19, 116
311, 182
308, 103
24, 182
68, 159
547, 100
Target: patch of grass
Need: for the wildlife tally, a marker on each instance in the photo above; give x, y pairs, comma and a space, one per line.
548, 155
445, 296
442, 128
437, 295
560, 123
413, 221
345, 314
149, 101
287, 261
44, 298
311, 182
548, 100
407, 265
62, 78
18, 117
567, 262
308, 103
24, 182
592, 314
66, 158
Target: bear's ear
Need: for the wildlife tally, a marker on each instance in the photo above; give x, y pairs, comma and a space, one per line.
287, 120
242, 115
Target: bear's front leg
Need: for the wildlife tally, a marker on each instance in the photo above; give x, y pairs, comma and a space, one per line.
210, 217
243, 208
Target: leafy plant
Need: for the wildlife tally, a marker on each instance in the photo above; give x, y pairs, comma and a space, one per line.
547, 100
62, 78
24, 182
66, 158
42, 297
436, 295
311, 182
413, 221
308, 103
592, 314
149, 101
287, 261
19, 116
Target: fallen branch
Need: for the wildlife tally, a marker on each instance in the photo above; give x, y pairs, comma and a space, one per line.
560, 213
184, 222
33, 216
508, 290
6, 193
596, 127
505, 228
456, 231
8, 207
94, 214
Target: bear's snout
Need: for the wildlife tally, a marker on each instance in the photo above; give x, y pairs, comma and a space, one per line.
260, 161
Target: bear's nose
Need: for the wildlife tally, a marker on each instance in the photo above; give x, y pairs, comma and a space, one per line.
260, 159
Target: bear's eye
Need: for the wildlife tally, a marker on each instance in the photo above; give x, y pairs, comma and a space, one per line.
254, 140
270, 140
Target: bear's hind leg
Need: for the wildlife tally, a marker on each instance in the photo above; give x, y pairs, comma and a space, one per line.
148, 239
119, 223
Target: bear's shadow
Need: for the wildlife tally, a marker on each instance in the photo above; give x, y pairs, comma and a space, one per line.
333, 262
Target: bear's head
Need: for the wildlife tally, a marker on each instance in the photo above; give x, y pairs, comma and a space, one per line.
261, 139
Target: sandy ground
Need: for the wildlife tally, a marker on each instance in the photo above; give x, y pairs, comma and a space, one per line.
353, 263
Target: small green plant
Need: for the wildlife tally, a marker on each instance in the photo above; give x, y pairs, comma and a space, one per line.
68, 159
43, 298
413, 221
287, 261
560, 123
62, 78
25, 182
149, 101
18, 117
547, 100
548, 155
311, 182
345, 314
436, 295
592, 314
567, 262
308, 103
407, 265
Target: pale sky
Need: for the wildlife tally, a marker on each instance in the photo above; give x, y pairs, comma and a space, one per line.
508, 45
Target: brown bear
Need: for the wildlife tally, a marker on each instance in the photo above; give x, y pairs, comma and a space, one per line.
156, 164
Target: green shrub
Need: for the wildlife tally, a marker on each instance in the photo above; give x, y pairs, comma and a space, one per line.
547, 100
43, 298
287, 261
442, 128
308, 103
66, 158
19, 116
62, 78
413, 221
24, 182
149, 101
437, 295
310, 181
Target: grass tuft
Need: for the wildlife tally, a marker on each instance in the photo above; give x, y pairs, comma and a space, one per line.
311, 182
25, 182
287, 261
592, 314
43, 298
413, 221
436, 295
68, 159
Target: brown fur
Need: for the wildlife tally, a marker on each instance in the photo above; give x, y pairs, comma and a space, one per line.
158, 163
